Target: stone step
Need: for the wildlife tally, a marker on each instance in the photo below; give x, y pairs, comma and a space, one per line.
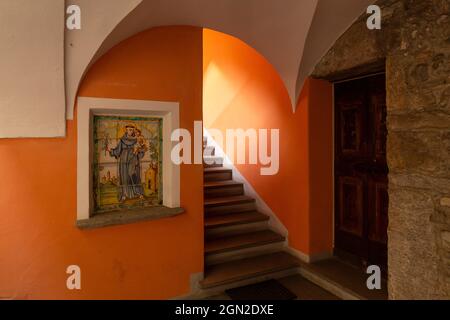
214, 165
246, 269
221, 221
212, 160
344, 280
221, 244
214, 189
227, 205
243, 253
217, 174
209, 151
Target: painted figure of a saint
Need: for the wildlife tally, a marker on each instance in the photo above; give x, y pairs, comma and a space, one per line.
129, 151
127, 162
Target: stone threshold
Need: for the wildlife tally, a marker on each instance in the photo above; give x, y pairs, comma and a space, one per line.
115, 218
342, 279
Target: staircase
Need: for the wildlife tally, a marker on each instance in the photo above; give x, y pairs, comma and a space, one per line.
240, 248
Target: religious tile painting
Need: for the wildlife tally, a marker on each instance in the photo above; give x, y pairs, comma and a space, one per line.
127, 163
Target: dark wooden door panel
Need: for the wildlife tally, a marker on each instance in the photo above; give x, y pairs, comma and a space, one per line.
351, 202
361, 197
350, 116
351, 130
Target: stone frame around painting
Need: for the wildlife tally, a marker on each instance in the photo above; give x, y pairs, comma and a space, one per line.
87, 108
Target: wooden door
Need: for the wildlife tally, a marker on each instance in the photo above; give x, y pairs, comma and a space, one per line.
361, 197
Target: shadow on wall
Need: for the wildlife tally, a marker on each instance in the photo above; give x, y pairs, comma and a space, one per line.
242, 90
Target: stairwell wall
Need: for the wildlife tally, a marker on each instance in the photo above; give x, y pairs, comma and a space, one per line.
242, 90
38, 236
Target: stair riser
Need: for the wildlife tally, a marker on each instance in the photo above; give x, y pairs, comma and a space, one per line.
212, 259
209, 151
237, 229
273, 274
215, 248
218, 176
337, 290
213, 161
202, 293
225, 191
225, 209
214, 165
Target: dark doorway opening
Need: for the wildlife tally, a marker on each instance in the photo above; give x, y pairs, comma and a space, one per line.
361, 171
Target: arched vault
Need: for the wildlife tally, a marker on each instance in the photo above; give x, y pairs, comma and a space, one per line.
291, 34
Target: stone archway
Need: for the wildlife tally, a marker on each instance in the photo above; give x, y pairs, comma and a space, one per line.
413, 45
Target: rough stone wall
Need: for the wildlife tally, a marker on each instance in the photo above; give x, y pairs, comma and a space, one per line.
414, 44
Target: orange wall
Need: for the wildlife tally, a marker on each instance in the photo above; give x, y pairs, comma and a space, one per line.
242, 90
321, 166
38, 237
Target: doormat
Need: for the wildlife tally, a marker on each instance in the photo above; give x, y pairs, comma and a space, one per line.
267, 290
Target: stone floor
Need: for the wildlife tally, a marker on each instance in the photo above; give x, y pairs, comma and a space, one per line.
305, 289
348, 277
341, 274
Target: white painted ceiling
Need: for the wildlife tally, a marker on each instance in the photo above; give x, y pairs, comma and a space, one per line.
291, 34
